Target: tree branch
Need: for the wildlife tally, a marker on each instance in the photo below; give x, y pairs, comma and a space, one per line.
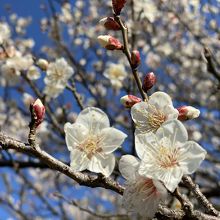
93, 181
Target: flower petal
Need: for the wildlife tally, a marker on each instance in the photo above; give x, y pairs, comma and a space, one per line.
139, 112
174, 130
94, 119
170, 177
104, 165
160, 100
143, 196
79, 160
128, 166
143, 142
170, 112
75, 134
192, 156
111, 138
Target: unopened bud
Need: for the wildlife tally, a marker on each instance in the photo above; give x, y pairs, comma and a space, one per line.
39, 111
149, 81
118, 5
43, 64
187, 113
135, 58
109, 42
110, 24
129, 100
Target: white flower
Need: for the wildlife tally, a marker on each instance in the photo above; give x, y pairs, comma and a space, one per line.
58, 73
149, 116
116, 73
141, 195
4, 32
66, 15
91, 142
167, 155
52, 91
19, 62
33, 73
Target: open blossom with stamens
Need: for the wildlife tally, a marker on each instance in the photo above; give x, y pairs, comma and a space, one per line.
116, 73
167, 155
141, 195
58, 74
91, 142
149, 116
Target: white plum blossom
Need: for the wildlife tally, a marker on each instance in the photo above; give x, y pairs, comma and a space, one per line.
33, 73
116, 73
19, 62
91, 142
149, 116
5, 32
167, 155
66, 15
13, 66
58, 73
142, 195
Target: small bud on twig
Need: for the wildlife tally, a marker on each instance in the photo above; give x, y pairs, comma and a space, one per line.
38, 110
149, 81
129, 100
110, 24
187, 113
43, 64
135, 58
118, 5
109, 42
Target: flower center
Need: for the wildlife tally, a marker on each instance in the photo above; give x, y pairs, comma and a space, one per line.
155, 118
115, 73
167, 157
91, 146
145, 187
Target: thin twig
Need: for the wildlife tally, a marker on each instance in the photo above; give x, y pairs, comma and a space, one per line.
76, 95
201, 198
128, 55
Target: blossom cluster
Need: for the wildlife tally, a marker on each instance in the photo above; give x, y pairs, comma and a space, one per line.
161, 143
161, 140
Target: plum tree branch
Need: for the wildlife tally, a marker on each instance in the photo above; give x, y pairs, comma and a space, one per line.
93, 181
126, 51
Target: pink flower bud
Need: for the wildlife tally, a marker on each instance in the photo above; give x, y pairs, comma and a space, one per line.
129, 100
149, 81
39, 111
109, 42
187, 113
118, 5
110, 24
135, 58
